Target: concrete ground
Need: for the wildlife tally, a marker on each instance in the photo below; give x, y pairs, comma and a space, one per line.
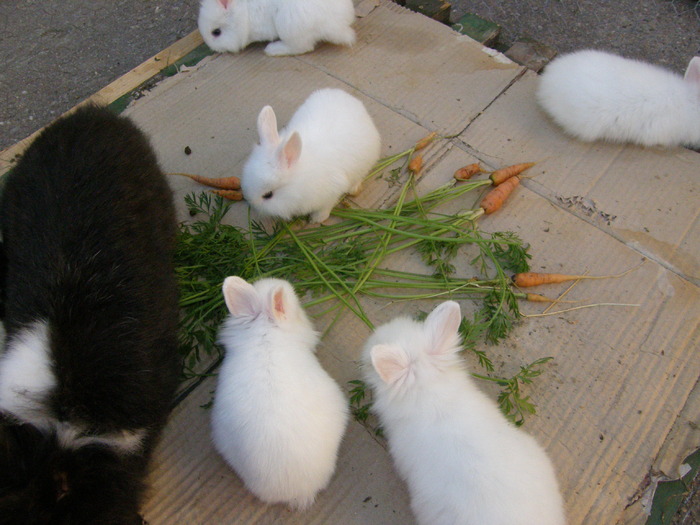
56, 53
666, 32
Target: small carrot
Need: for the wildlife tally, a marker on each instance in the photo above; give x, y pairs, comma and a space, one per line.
503, 174
496, 197
232, 195
527, 279
224, 183
538, 298
422, 143
416, 164
466, 172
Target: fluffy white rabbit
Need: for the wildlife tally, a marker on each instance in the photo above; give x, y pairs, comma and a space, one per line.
595, 95
464, 463
278, 417
328, 147
293, 26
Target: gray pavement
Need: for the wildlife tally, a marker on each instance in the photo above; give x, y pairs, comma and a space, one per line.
55, 53
666, 32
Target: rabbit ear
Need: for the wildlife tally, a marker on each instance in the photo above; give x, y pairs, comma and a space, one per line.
241, 297
692, 74
267, 127
225, 3
289, 154
281, 303
391, 363
442, 325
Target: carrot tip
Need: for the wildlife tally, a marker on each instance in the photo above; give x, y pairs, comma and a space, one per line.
501, 175
422, 143
232, 195
466, 172
416, 164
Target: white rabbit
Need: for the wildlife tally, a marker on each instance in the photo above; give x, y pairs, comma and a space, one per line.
595, 95
278, 417
328, 147
464, 463
293, 26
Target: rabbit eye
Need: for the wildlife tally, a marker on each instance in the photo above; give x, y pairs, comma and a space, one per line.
216, 32
268, 195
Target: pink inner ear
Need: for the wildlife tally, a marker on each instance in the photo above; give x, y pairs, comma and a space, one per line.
292, 150
391, 363
442, 325
278, 304
225, 3
267, 127
240, 297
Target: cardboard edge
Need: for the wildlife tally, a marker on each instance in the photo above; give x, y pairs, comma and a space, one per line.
120, 87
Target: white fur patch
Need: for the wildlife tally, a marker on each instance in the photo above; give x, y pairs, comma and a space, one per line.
26, 379
73, 437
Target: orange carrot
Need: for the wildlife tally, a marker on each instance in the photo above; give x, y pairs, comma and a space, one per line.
422, 143
468, 171
502, 175
232, 195
496, 197
527, 279
224, 183
416, 164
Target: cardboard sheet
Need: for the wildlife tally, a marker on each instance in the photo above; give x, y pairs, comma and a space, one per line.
619, 400
621, 376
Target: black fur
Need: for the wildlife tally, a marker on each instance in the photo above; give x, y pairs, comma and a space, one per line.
89, 228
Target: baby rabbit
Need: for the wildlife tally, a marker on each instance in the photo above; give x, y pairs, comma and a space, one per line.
328, 147
293, 26
90, 366
598, 96
278, 417
464, 463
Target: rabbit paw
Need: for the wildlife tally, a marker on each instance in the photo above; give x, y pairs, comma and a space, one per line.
282, 48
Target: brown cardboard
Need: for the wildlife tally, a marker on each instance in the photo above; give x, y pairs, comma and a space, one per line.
648, 195
422, 69
213, 109
617, 401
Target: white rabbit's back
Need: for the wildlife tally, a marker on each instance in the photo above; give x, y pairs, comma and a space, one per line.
497, 473
599, 96
278, 418
320, 19
462, 460
337, 133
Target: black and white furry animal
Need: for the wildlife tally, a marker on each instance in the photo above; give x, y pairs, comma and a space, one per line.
90, 364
